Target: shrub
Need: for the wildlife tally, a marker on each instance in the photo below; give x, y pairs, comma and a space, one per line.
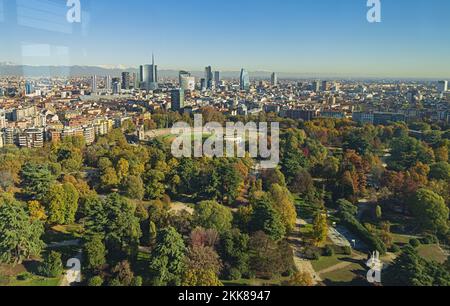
137, 282
24, 276
328, 251
430, 239
372, 241
415, 243
52, 265
395, 248
114, 283
315, 255
234, 274
348, 251
312, 253
95, 281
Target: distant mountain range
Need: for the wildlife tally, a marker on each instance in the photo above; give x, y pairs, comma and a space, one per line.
12, 69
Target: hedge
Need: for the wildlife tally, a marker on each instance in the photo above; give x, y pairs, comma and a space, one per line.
373, 242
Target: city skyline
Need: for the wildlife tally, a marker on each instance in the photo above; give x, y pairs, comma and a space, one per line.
311, 37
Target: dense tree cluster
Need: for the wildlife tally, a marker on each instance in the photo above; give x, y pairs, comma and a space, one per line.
234, 219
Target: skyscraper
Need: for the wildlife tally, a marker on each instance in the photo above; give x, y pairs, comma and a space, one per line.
29, 88
325, 86
209, 77
126, 80
187, 82
177, 96
217, 78
443, 86
108, 83
116, 86
203, 84
274, 79
136, 81
94, 84
149, 76
244, 80
316, 86
2, 120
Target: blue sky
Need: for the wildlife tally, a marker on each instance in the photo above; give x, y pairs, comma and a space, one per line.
301, 36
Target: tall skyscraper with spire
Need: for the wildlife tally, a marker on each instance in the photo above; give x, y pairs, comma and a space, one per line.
149, 76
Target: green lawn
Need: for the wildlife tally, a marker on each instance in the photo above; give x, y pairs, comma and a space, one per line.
10, 276
63, 232
255, 282
326, 262
304, 210
432, 252
35, 281
345, 275
402, 239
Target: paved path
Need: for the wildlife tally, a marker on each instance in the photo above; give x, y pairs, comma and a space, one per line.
337, 238
67, 243
302, 264
178, 207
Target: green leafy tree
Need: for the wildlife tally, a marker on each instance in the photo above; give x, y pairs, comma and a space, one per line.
95, 253
378, 212
154, 184
134, 187
409, 269
267, 219
122, 169
212, 215
406, 152
152, 233
36, 180
233, 249
96, 281
283, 202
430, 211
168, 258
266, 257
320, 228
20, 237
440, 171
71, 197
229, 182
114, 219
109, 179
56, 205
52, 265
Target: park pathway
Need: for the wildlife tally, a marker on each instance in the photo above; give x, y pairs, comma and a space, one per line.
303, 265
